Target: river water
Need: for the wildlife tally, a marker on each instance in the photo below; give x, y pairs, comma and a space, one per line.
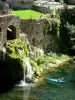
45, 90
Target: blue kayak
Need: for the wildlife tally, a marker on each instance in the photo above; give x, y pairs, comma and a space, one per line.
55, 80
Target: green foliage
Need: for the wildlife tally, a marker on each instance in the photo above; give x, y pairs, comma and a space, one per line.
67, 31
35, 67
52, 24
67, 66
71, 6
51, 58
51, 28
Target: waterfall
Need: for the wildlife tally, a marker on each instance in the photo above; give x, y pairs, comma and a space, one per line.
28, 73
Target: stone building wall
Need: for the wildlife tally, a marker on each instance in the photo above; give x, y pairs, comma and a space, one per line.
9, 23
20, 4
34, 28
42, 9
48, 9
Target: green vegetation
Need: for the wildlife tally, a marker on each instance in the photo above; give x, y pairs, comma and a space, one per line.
26, 14
13, 57
52, 23
13, 47
51, 60
35, 68
71, 6
51, 28
67, 31
13, 66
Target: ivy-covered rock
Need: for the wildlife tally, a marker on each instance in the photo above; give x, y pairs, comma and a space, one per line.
51, 30
13, 57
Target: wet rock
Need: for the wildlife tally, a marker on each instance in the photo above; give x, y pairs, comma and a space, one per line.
2, 51
28, 80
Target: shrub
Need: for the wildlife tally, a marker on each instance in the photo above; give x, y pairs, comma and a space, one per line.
51, 25
67, 31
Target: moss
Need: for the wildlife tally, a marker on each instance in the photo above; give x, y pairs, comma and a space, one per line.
51, 25
35, 68
13, 58
13, 46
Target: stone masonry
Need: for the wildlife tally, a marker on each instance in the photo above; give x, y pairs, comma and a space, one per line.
9, 27
34, 28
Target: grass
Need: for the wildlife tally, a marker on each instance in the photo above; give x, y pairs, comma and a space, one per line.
27, 14
71, 6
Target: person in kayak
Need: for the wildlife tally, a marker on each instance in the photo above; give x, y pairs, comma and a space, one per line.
60, 79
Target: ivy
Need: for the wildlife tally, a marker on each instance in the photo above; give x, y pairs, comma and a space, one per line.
51, 25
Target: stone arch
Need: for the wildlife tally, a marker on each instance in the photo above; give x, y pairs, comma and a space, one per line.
11, 32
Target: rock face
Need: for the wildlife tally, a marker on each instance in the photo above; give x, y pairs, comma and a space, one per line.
20, 4
12, 67
35, 52
1, 5
35, 31
2, 52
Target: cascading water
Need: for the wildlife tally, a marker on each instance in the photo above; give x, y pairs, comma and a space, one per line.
28, 73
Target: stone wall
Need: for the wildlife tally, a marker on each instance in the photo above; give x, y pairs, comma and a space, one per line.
17, 5
20, 4
48, 9
6, 22
41, 9
34, 28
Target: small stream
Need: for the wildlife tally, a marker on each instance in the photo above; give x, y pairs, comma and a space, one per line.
45, 90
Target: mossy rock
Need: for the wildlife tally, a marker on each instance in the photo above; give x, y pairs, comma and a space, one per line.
13, 67
35, 67
12, 47
13, 57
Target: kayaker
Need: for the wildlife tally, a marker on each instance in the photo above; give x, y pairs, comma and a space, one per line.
60, 79
41, 78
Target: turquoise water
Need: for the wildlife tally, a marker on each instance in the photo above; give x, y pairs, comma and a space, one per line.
45, 90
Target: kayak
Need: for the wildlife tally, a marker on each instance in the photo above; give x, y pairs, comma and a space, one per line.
55, 80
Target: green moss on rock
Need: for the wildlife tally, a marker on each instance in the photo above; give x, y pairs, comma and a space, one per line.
14, 60
13, 46
35, 68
